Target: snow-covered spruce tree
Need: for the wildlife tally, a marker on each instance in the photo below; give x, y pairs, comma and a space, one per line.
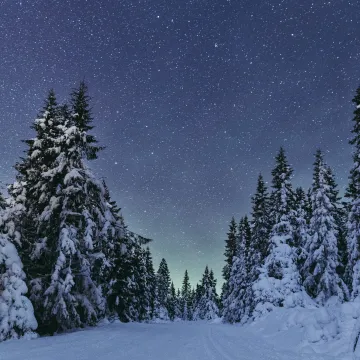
206, 307
141, 294
115, 231
230, 248
75, 223
198, 294
216, 297
279, 284
65, 233
301, 227
257, 245
173, 304
260, 224
16, 311
132, 296
353, 223
163, 283
32, 193
150, 281
122, 301
353, 194
132, 282
321, 279
185, 302
340, 214
234, 307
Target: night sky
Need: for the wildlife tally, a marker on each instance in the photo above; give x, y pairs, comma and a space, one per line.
192, 99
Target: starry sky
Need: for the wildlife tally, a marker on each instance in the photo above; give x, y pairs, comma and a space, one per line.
192, 98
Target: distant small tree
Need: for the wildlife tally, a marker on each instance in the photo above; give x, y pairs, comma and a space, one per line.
163, 283
186, 298
206, 307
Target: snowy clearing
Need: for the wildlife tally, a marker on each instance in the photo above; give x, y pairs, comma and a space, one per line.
170, 341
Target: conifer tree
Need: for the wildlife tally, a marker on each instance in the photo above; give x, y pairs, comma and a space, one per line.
65, 234
230, 248
206, 307
212, 284
173, 304
122, 301
353, 193
321, 278
192, 303
198, 293
186, 298
258, 249
279, 281
301, 228
73, 297
163, 283
31, 193
340, 214
115, 230
150, 280
141, 295
234, 307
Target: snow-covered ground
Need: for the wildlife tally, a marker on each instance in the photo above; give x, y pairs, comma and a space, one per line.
172, 341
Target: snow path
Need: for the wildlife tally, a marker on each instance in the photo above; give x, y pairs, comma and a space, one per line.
170, 341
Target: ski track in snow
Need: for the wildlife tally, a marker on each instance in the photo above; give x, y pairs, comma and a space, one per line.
169, 341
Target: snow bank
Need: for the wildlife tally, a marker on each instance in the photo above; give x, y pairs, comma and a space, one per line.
331, 329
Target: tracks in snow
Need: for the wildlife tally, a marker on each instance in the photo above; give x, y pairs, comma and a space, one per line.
214, 349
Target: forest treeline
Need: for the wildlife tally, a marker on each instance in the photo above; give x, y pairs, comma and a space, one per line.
68, 259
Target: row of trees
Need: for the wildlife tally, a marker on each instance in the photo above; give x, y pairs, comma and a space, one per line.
300, 248
75, 258
199, 303
67, 260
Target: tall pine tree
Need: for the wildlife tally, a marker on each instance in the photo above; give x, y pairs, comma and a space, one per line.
65, 240
173, 304
301, 227
186, 298
259, 247
353, 193
163, 283
279, 283
320, 268
237, 304
230, 249
206, 305
150, 281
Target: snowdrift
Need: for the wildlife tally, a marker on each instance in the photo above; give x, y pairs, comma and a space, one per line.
330, 330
